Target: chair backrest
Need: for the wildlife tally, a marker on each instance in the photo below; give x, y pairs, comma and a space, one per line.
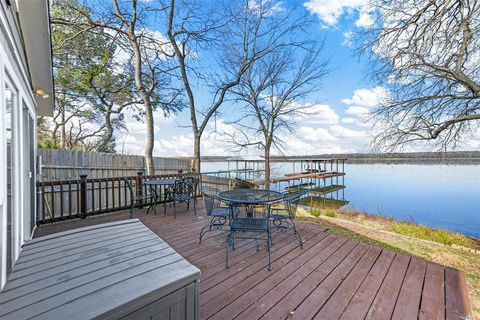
291, 200
178, 187
190, 184
210, 198
128, 184
211, 191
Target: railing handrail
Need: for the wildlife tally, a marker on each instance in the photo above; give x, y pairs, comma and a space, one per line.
72, 181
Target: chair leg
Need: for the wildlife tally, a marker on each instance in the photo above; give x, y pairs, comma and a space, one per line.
131, 211
149, 207
256, 241
174, 210
297, 234
203, 233
268, 247
194, 206
227, 248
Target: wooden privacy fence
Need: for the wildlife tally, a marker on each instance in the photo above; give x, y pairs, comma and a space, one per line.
56, 164
78, 198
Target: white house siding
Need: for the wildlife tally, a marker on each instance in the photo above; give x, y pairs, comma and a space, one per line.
14, 74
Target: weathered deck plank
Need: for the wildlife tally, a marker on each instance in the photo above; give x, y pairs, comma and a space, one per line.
457, 303
330, 278
433, 293
363, 298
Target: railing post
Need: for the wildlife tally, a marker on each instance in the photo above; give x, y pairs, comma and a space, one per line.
139, 188
83, 196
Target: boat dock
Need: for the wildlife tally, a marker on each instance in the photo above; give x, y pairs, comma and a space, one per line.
310, 169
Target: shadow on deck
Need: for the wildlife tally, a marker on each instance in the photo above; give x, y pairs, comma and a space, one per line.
330, 278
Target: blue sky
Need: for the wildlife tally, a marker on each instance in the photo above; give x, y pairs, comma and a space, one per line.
340, 124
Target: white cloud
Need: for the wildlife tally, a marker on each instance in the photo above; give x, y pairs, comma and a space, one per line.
357, 111
342, 132
315, 134
367, 98
298, 146
365, 19
319, 114
349, 120
329, 11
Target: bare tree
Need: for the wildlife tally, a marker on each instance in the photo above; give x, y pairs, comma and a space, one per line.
242, 33
126, 21
112, 94
272, 91
426, 53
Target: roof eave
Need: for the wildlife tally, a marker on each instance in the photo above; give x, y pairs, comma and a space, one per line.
34, 19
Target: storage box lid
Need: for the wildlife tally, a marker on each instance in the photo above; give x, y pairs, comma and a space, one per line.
107, 271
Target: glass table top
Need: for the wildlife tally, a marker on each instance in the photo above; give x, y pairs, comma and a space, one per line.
250, 196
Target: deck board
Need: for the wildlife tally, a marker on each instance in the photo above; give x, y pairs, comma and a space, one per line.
360, 303
408, 301
433, 293
330, 278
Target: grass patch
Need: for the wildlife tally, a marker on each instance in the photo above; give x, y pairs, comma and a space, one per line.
331, 213
401, 227
431, 234
316, 212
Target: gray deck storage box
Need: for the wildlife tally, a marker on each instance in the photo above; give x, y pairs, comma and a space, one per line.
119, 270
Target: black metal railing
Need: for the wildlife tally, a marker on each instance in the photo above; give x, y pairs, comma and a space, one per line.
67, 199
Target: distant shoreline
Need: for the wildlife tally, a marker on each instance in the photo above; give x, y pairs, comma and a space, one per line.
458, 157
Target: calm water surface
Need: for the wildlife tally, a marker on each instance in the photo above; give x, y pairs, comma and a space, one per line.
443, 196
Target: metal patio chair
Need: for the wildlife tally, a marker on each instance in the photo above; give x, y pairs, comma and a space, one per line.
283, 217
183, 190
248, 226
151, 197
220, 213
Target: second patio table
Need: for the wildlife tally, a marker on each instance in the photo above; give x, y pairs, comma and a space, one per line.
166, 183
160, 182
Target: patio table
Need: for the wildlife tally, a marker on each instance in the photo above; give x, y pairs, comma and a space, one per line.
165, 183
249, 197
160, 182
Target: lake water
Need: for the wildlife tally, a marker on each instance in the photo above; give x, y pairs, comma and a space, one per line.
442, 196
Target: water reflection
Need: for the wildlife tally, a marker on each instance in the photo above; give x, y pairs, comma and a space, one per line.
442, 196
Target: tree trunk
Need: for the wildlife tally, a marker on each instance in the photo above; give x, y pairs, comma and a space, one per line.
108, 134
196, 153
150, 137
266, 184
54, 132
148, 152
63, 135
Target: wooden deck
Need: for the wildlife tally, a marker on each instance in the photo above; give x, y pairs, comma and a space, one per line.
330, 278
